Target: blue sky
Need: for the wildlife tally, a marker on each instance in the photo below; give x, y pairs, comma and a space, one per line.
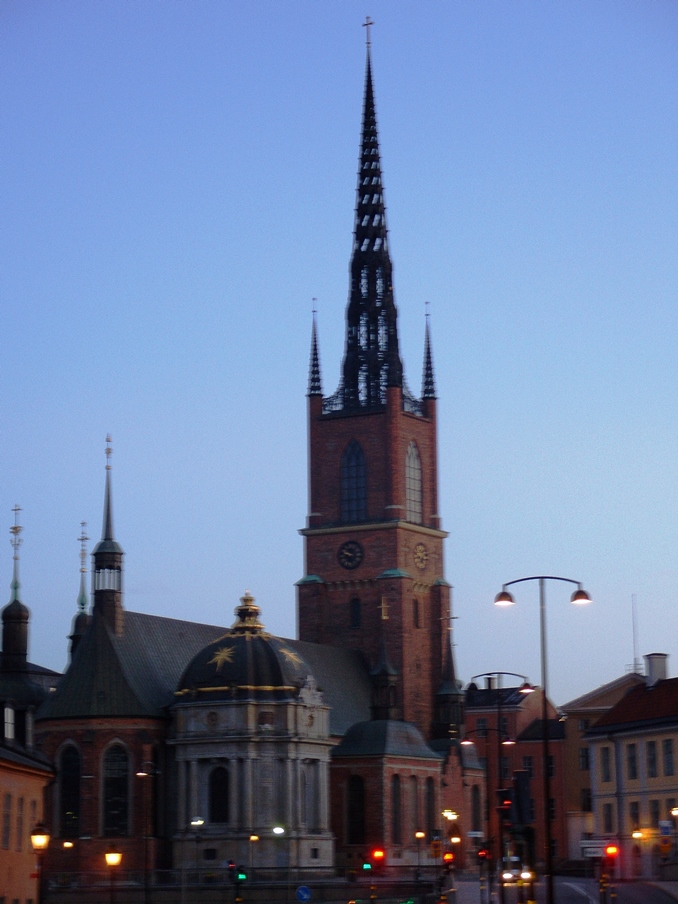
178, 183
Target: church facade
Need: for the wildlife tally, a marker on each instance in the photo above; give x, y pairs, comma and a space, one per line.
185, 745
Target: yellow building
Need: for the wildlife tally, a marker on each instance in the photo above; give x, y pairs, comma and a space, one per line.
634, 773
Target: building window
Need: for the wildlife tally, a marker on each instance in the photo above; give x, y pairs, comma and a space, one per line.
528, 765
670, 805
475, 809
654, 814
605, 775
9, 722
667, 756
504, 767
355, 613
503, 726
69, 792
607, 818
415, 613
413, 494
218, 794
586, 800
583, 724
396, 811
584, 761
532, 809
651, 759
551, 766
430, 808
6, 820
20, 824
481, 728
353, 484
355, 823
631, 762
116, 788
634, 815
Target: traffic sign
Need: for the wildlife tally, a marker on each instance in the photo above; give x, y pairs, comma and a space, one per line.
665, 828
303, 893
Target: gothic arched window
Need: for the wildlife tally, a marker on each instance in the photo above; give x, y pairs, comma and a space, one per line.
355, 822
116, 791
430, 807
353, 483
396, 811
69, 792
355, 613
413, 493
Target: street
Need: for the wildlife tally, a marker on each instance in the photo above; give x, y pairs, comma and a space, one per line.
568, 891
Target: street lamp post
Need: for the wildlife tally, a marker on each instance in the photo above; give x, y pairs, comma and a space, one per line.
502, 739
419, 835
113, 861
40, 841
147, 771
253, 840
196, 823
579, 597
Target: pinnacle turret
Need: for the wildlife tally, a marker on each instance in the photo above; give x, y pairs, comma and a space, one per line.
15, 615
107, 559
372, 361
314, 381
428, 388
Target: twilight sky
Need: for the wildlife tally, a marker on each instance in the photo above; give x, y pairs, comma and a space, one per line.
177, 185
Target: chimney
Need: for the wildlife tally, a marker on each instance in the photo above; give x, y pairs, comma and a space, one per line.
655, 668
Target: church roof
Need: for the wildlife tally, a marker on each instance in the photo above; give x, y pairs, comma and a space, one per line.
384, 737
138, 672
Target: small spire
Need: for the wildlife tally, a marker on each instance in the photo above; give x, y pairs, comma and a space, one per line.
367, 24
107, 530
16, 542
428, 382
314, 382
82, 539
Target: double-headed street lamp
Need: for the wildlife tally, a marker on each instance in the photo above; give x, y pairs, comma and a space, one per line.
579, 597
503, 739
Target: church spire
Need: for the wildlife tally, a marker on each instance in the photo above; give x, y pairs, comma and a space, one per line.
314, 381
428, 389
372, 361
107, 557
15, 615
82, 619
16, 542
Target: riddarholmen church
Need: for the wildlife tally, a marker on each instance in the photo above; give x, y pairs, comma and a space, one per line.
179, 742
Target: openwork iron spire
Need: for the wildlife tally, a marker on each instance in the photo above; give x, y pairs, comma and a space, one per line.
428, 389
16, 542
314, 382
82, 539
372, 361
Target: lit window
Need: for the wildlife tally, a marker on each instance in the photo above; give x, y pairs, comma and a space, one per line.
9, 723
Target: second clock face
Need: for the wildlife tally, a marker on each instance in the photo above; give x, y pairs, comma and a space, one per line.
350, 554
420, 556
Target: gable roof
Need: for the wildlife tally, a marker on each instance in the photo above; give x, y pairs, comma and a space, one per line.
138, 672
604, 696
642, 707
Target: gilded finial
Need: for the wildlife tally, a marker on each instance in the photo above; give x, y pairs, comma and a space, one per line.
367, 24
109, 451
248, 616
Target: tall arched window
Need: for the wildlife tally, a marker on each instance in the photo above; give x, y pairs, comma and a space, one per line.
116, 791
355, 821
218, 795
430, 807
355, 613
413, 492
353, 483
396, 811
414, 805
69, 792
475, 809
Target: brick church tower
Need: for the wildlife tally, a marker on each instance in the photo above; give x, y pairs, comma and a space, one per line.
373, 543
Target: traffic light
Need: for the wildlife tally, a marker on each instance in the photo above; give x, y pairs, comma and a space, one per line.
483, 855
612, 851
231, 870
378, 858
505, 804
240, 875
448, 860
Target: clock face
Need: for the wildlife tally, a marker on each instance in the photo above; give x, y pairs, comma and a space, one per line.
420, 556
350, 554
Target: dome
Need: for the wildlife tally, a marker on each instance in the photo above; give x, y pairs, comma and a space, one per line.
384, 737
245, 660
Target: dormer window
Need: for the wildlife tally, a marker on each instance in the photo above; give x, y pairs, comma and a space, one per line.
9, 722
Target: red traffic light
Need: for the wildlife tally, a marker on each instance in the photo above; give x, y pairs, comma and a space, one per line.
611, 850
379, 855
483, 854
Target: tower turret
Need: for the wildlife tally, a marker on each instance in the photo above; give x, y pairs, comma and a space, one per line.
107, 561
15, 615
82, 619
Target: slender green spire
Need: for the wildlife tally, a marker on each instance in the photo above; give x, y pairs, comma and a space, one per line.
82, 596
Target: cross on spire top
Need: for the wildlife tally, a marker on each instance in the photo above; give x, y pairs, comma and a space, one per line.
15, 531
367, 24
109, 451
